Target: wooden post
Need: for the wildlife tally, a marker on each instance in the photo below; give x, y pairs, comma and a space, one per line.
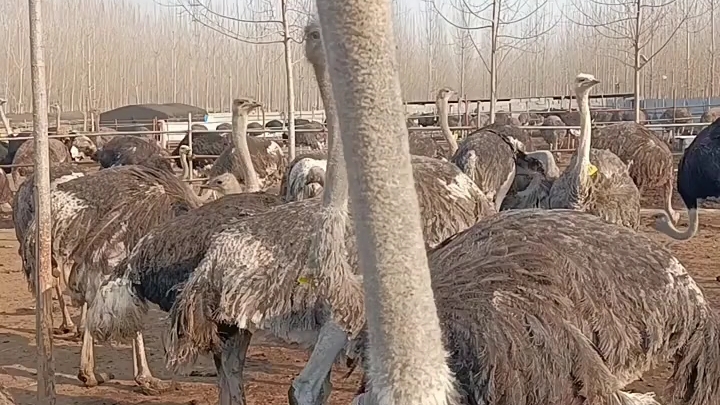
43, 271
190, 145
3, 117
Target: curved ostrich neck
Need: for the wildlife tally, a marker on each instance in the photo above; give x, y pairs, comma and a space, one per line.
407, 368
239, 140
583, 150
442, 108
335, 193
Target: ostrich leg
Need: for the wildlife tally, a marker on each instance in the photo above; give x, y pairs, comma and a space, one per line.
141, 370
312, 386
668, 188
229, 364
67, 324
87, 362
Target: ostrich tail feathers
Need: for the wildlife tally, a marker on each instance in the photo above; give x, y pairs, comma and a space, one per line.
117, 312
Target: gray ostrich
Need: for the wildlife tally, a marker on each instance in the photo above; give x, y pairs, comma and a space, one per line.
533, 306
304, 177
422, 142
710, 115
25, 155
23, 214
553, 136
97, 219
267, 156
678, 116
441, 102
238, 290
487, 156
596, 180
649, 159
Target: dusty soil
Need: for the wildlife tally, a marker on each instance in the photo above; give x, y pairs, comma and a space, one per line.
271, 365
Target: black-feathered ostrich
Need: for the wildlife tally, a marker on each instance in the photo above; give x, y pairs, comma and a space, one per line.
133, 150
697, 178
204, 143
97, 220
265, 268
534, 306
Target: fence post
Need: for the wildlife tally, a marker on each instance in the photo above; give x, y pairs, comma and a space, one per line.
43, 271
190, 145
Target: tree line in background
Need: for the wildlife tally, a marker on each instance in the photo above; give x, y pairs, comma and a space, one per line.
103, 54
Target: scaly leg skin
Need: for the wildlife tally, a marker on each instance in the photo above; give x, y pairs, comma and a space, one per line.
230, 366
312, 386
143, 376
674, 216
87, 364
67, 324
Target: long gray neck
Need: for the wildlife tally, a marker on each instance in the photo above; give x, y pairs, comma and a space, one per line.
442, 108
583, 150
409, 368
335, 193
239, 140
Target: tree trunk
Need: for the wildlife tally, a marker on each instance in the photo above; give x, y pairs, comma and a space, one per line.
493, 60
638, 63
290, 82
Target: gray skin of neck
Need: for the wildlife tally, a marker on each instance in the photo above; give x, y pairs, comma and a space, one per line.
583, 151
239, 139
442, 107
407, 360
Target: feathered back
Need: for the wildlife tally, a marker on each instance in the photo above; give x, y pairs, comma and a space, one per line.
204, 143
422, 143
710, 115
25, 154
449, 201
612, 195
169, 253
284, 182
267, 158
652, 162
24, 200
98, 219
699, 167
123, 150
487, 156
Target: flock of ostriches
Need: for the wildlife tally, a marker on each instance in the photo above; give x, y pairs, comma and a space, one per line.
544, 290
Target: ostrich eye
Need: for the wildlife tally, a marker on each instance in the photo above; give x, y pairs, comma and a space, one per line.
315, 36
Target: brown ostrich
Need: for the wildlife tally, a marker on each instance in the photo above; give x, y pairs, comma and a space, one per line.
711, 115
678, 116
5, 193
25, 155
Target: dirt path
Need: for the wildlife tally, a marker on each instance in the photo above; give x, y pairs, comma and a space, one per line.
271, 365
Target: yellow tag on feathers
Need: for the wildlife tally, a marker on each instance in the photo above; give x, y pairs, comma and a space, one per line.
303, 280
592, 169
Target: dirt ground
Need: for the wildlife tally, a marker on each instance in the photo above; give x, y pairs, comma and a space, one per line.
271, 365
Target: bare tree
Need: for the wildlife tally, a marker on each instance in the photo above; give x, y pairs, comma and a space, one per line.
43, 273
234, 24
503, 18
633, 25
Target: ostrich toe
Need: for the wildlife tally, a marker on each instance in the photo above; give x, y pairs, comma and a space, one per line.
152, 386
94, 379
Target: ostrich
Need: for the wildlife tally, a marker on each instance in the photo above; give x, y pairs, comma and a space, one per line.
697, 178
649, 159
5, 397
678, 116
603, 187
268, 286
25, 155
204, 143
97, 220
487, 156
23, 214
533, 306
422, 143
619, 116
267, 156
5, 193
133, 150
304, 177
553, 136
441, 102
710, 115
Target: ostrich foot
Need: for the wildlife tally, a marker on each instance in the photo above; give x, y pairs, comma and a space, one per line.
153, 386
64, 329
203, 374
94, 379
305, 395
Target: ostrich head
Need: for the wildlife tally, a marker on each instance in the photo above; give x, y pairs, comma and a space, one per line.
223, 184
445, 93
584, 82
313, 44
82, 147
244, 105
